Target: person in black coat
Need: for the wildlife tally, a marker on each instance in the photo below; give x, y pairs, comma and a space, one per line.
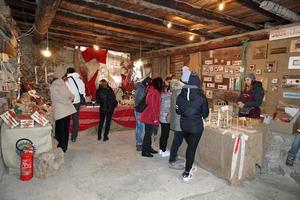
192, 106
251, 97
106, 97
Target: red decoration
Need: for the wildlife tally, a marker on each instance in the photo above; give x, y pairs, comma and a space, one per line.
126, 84
89, 117
91, 53
91, 85
84, 76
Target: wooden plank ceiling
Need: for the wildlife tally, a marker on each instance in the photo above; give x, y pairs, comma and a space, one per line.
124, 25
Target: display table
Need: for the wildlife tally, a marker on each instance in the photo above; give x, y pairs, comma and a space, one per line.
40, 136
89, 117
217, 148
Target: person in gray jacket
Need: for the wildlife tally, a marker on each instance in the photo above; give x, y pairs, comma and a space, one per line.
174, 118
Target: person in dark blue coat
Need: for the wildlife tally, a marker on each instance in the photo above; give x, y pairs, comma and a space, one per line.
192, 106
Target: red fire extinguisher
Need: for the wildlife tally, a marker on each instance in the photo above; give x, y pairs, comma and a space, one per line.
25, 148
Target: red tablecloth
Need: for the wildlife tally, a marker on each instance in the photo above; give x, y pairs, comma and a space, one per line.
89, 117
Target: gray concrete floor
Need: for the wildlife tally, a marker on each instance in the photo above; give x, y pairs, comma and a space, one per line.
114, 170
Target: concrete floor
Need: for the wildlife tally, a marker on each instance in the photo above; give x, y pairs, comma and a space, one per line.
114, 170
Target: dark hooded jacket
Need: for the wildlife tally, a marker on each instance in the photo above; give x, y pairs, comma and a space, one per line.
192, 106
106, 97
140, 90
252, 101
258, 95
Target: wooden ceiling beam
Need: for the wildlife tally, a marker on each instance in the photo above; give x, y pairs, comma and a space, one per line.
73, 43
255, 6
21, 16
102, 33
181, 7
107, 30
90, 43
97, 40
99, 37
45, 13
185, 15
121, 26
229, 41
99, 7
83, 37
22, 4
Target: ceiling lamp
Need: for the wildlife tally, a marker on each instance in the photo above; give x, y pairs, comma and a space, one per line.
139, 63
96, 47
192, 37
46, 52
221, 5
169, 24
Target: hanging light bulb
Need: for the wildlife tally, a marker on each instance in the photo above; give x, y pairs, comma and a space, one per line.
192, 37
221, 5
139, 63
169, 24
46, 52
96, 47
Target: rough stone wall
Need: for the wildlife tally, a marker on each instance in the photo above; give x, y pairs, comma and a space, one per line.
56, 65
60, 60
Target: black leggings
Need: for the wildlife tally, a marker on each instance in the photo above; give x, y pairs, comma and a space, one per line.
192, 140
163, 141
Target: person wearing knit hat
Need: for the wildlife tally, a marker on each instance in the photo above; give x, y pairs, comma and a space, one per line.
251, 97
192, 106
250, 76
185, 74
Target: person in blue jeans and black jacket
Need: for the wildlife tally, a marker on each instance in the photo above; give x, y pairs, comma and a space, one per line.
192, 106
139, 93
292, 153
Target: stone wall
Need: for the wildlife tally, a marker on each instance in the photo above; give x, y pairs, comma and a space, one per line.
61, 59
56, 65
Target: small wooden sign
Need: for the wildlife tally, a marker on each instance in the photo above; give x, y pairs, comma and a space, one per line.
278, 50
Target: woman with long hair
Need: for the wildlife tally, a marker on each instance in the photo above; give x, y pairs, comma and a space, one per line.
251, 97
165, 104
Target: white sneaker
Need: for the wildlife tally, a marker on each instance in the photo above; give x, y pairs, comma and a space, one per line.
186, 178
160, 152
165, 154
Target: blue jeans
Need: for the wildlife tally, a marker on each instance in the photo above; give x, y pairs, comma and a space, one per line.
295, 147
139, 129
